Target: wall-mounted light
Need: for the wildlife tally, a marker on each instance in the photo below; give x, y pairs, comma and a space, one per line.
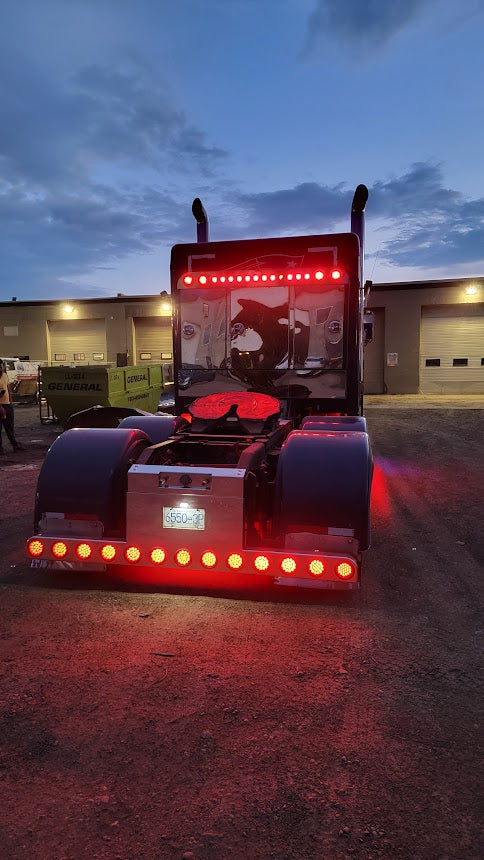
68, 309
166, 306
471, 290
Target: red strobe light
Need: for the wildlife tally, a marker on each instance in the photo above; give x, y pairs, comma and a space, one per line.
35, 548
59, 549
83, 551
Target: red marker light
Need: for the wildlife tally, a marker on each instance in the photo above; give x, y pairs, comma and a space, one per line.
83, 551
214, 279
264, 277
307, 276
288, 565
316, 567
298, 277
209, 559
234, 561
183, 557
35, 548
59, 549
261, 562
289, 277
108, 552
132, 554
188, 279
345, 570
319, 276
230, 279
272, 277
157, 555
239, 278
336, 274
202, 279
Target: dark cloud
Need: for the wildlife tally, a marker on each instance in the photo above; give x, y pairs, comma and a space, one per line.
430, 225
361, 24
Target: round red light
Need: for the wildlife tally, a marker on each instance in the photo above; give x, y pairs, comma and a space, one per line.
183, 557
298, 277
214, 279
35, 548
239, 278
345, 570
132, 554
272, 277
261, 562
157, 555
83, 551
234, 560
188, 279
59, 549
209, 559
289, 277
336, 274
288, 565
316, 567
319, 276
108, 552
307, 276
202, 279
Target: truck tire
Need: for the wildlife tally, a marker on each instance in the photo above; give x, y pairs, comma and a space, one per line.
332, 423
323, 481
85, 474
158, 428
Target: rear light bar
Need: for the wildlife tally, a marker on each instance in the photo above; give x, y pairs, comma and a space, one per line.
272, 563
195, 279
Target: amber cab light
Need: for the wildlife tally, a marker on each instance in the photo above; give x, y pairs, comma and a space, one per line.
288, 565
108, 552
83, 551
35, 548
209, 559
157, 555
132, 554
59, 549
183, 557
234, 561
345, 570
316, 567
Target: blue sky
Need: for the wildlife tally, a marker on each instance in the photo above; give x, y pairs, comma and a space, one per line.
114, 114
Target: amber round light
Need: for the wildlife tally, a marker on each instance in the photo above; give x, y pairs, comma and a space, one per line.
157, 555
316, 567
59, 549
108, 552
36, 548
132, 554
209, 559
183, 557
83, 550
261, 562
288, 565
234, 560
345, 570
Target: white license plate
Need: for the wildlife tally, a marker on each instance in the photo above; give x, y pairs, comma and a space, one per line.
184, 518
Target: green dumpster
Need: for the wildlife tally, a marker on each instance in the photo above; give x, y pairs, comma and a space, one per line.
67, 390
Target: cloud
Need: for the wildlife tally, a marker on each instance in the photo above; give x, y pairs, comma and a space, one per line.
361, 24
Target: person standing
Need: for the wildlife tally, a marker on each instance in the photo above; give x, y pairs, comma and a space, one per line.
6, 409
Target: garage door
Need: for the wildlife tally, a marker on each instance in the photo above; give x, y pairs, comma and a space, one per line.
153, 340
452, 350
373, 356
77, 341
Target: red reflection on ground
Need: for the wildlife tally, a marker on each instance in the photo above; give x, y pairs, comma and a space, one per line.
380, 496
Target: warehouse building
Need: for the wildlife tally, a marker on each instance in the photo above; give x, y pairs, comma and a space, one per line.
428, 335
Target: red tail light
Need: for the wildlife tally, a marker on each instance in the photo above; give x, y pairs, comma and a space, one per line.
59, 549
183, 557
345, 570
209, 559
157, 555
234, 561
83, 551
35, 548
319, 276
261, 562
288, 565
132, 554
316, 567
336, 274
108, 552
188, 279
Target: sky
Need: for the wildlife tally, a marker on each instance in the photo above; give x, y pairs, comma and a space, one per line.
115, 114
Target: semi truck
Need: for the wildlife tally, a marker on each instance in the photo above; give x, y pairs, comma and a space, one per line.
265, 468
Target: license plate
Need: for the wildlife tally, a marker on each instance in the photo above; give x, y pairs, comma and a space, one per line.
184, 518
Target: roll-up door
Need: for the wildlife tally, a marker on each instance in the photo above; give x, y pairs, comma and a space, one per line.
77, 341
452, 349
373, 355
153, 340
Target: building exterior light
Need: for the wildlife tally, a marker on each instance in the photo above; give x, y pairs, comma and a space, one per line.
471, 290
166, 306
68, 309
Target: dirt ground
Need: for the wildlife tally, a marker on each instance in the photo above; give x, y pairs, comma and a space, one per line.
154, 722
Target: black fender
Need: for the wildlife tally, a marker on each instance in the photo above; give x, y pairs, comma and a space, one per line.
323, 480
85, 474
334, 422
159, 428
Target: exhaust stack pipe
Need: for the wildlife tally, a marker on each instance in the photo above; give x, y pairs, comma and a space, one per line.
358, 221
202, 220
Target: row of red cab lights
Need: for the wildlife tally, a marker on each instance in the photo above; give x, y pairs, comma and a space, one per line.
202, 280
132, 554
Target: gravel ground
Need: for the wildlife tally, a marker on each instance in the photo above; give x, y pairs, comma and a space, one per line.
158, 722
